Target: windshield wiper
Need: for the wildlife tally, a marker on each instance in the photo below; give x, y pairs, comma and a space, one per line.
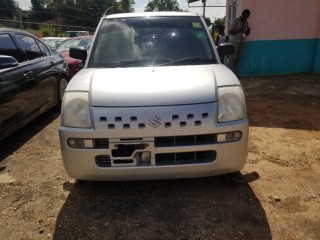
188, 59
164, 62
129, 62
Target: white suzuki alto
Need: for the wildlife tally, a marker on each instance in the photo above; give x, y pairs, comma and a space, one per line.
153, 101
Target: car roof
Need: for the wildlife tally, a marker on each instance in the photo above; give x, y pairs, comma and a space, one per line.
151, 14
12, 30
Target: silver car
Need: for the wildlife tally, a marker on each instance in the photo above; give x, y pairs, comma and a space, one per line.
153, 101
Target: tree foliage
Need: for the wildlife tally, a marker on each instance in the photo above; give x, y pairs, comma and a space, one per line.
208, 21
219, 22
7, 8
86, 13
162, 5
124, 6
81, 13
39, 13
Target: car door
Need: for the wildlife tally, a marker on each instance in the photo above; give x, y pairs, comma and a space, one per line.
42, 68
17, 87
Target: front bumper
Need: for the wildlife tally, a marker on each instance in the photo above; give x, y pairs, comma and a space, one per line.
180, 148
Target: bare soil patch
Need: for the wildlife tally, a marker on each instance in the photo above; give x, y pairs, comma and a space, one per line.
276, 195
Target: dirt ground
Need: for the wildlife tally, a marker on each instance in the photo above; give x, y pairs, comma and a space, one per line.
275, 196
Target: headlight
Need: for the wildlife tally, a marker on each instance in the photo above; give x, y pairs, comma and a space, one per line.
231, 104
75, 110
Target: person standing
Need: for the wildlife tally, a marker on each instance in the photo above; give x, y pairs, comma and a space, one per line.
238, 31
221, 38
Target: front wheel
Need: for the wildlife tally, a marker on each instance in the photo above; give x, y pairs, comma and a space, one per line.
62, 84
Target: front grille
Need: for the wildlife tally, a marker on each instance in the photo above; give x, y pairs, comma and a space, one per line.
103, 161
188, 140
101, 143
185, 158
170, 141
134, 152
163, 159
115, 122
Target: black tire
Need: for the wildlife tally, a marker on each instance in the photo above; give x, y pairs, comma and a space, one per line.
61, 87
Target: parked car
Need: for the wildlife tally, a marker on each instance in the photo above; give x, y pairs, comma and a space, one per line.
76, 33
75, 65
153, 101
32, 79
53, 42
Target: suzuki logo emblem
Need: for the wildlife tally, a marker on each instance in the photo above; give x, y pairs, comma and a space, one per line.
154, 121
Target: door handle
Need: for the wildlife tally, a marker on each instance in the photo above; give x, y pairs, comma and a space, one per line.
28, 74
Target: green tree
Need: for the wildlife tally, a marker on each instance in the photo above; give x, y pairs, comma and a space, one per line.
219, 22
84, 13
8, 8
215, 25
124, 6
96, 10
73, 12
208, 21
163, 5
40, 12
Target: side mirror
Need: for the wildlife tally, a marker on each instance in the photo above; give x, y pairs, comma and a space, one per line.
226, 49
7, 62
78, 53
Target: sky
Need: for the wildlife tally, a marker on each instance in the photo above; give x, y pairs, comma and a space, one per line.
211, 12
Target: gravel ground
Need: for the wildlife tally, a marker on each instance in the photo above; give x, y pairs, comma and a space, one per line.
275, 196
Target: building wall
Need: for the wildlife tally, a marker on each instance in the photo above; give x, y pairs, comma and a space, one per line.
284, 38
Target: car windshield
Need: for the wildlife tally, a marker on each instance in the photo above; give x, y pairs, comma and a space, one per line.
53, 43
152, 41
82, 42
50, 42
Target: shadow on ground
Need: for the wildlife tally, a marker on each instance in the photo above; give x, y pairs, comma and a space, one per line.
19, 138
222, 207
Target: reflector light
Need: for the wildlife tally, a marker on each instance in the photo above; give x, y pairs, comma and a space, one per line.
229, 137
79, 143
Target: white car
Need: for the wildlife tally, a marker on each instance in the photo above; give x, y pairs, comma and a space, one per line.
53, 42
153, 101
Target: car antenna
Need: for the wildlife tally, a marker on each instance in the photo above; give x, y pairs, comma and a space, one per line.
105, 13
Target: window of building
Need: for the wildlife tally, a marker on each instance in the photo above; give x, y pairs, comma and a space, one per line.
232, 12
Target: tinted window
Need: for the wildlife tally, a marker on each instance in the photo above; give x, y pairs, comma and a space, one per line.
45, 51
9, 48
30, 47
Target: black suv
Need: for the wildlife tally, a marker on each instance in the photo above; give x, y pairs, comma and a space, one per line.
32, 79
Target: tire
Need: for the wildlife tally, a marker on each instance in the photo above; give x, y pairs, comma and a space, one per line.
61, 87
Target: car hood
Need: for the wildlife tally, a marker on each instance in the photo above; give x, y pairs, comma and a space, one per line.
152, 86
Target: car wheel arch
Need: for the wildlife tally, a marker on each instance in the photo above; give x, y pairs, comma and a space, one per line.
62, 83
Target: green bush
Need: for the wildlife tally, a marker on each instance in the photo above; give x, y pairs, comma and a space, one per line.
45, 32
